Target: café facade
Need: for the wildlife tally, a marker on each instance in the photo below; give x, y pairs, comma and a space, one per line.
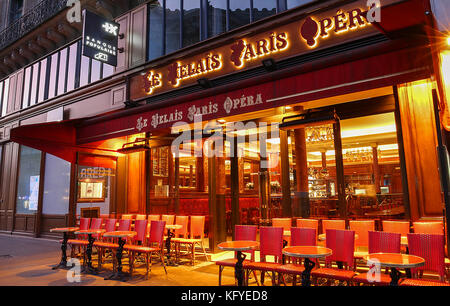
322, 111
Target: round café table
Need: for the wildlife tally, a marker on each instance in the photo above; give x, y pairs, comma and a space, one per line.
122, 238
65, 231
394, 261
323, 237
307, 252
87, 266
170, 235
239, 247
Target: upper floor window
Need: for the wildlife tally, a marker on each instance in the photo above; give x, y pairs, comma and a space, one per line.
15, 10
294, 3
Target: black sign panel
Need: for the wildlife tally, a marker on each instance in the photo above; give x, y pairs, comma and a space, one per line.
100, 38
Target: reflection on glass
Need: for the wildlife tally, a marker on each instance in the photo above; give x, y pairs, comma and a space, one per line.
294, 3
34, 84
53, 75
84, 74
217, 17
239, 13
62, 71
191, 22
5, 97
42, 80
28, 180
155, 31
172, 25
264, 8
71, 72
95, 70
108, 70
56, 186
26, 87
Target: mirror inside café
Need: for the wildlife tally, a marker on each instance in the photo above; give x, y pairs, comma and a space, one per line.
371, 167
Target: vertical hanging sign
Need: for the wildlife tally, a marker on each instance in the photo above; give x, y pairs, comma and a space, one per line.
100, 38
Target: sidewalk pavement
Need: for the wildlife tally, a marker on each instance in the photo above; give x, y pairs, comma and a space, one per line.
28, 261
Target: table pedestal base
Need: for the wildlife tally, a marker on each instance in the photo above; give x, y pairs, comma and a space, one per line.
395, 277
306, 275
170, 261
88, 268
119, 275
238, 268
63, 263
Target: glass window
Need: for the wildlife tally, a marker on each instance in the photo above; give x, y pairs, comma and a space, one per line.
42, 81
62, 71
108, 70
84, 74
264, 8
34, 84
72, 67
28, 181
5, 97
15, 10
53, 76
95, 70
1, 94
155, 33
217, 17
56, 186
26, 87
191, 22
239, 13
294, 3
172, 25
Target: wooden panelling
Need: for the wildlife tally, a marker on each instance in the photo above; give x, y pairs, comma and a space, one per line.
419, 137
138, 36
51, 221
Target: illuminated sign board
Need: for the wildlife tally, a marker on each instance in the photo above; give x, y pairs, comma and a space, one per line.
100, 38
313, 32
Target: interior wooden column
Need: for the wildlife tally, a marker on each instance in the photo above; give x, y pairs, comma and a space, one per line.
176, 187
286, 203
235, 187
324, 159
302, 207
199, 174
376, 168
342, 203
216, 195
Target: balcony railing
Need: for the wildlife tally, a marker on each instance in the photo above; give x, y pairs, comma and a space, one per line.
37, 15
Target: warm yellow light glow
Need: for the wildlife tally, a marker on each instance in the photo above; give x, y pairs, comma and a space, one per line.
448, 41
369, 131
445, 71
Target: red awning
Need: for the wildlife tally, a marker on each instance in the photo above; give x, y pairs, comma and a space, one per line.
59, 139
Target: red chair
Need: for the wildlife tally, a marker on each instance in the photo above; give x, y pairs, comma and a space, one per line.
110, 226
431, 248
432, 227
399, 227
271, 244
127, 217
332, 224
155, 244
141, 217
153, 218
241, 233
342, 243
299, 237
170, 220
81, 240
180, 233
361, 228
380, 242
140, 227
308, 223
285, 223
96, 223
196, 236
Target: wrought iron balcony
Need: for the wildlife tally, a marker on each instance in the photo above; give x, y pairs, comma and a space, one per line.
37, 15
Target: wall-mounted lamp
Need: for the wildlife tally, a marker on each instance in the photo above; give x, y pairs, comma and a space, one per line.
205, 83
269, 64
